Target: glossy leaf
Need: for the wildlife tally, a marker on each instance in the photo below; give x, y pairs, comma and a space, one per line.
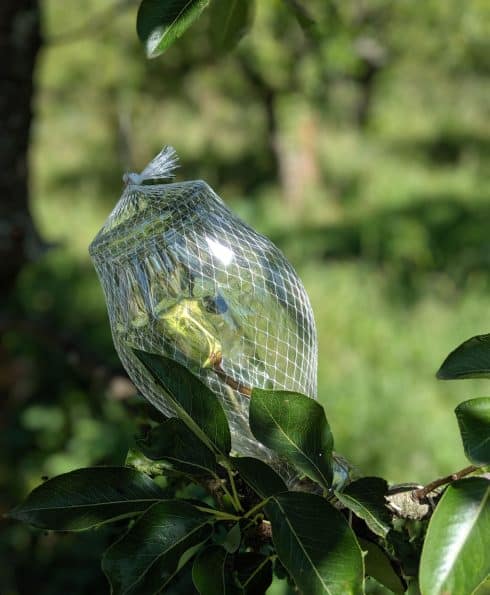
315, 544
455, 556
253, 572
259, 476
208, 571
366, 498
85, 498
295, 427
470, 360
474, 425
196, 405
148, 556
230, 20
379, 567
160, 22
173, 442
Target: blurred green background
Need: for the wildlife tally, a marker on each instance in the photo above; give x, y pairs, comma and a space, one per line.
363, 153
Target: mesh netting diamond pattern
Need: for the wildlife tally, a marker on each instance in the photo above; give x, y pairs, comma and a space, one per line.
185, 278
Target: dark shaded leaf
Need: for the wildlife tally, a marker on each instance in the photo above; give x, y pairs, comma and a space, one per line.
173, 442
85, 498
373, 587
182, 583
296, 428
379, 567
196, 405
405, 550
316, 545
455, 557
253, 572
470, 360
233, 539
474, 424
160, 22
259, 476
366, 498
208, 571
229, 21
148, 556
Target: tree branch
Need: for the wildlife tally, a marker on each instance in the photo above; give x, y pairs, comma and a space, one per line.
305, 20
20, 41
421, 493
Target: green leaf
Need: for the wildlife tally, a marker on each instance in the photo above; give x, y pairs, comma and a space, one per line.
295, 427
229, 22
366, 498
484, 588
196, 405
470, 360
259, 476
315, 544
149, 555
173, 442
208, 571
474, 424
253, 572
85, 498
379, 567
455, 556
182, 583
233, 539
160, 22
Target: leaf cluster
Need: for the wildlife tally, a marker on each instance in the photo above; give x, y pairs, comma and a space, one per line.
247, 519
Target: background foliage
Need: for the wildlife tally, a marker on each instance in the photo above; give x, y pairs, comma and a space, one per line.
362, 153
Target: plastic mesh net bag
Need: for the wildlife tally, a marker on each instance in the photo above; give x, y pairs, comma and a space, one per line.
186, 278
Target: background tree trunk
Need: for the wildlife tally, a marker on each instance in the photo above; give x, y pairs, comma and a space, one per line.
20, 40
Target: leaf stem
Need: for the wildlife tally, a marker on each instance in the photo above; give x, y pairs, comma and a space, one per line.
235, 498
257, 507
258, 569
237, 508
228, 380
219, 514
421, 493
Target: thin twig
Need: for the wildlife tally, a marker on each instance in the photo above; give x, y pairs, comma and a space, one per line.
257, 507
421, 493
216, 359
219, 514
232, 383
